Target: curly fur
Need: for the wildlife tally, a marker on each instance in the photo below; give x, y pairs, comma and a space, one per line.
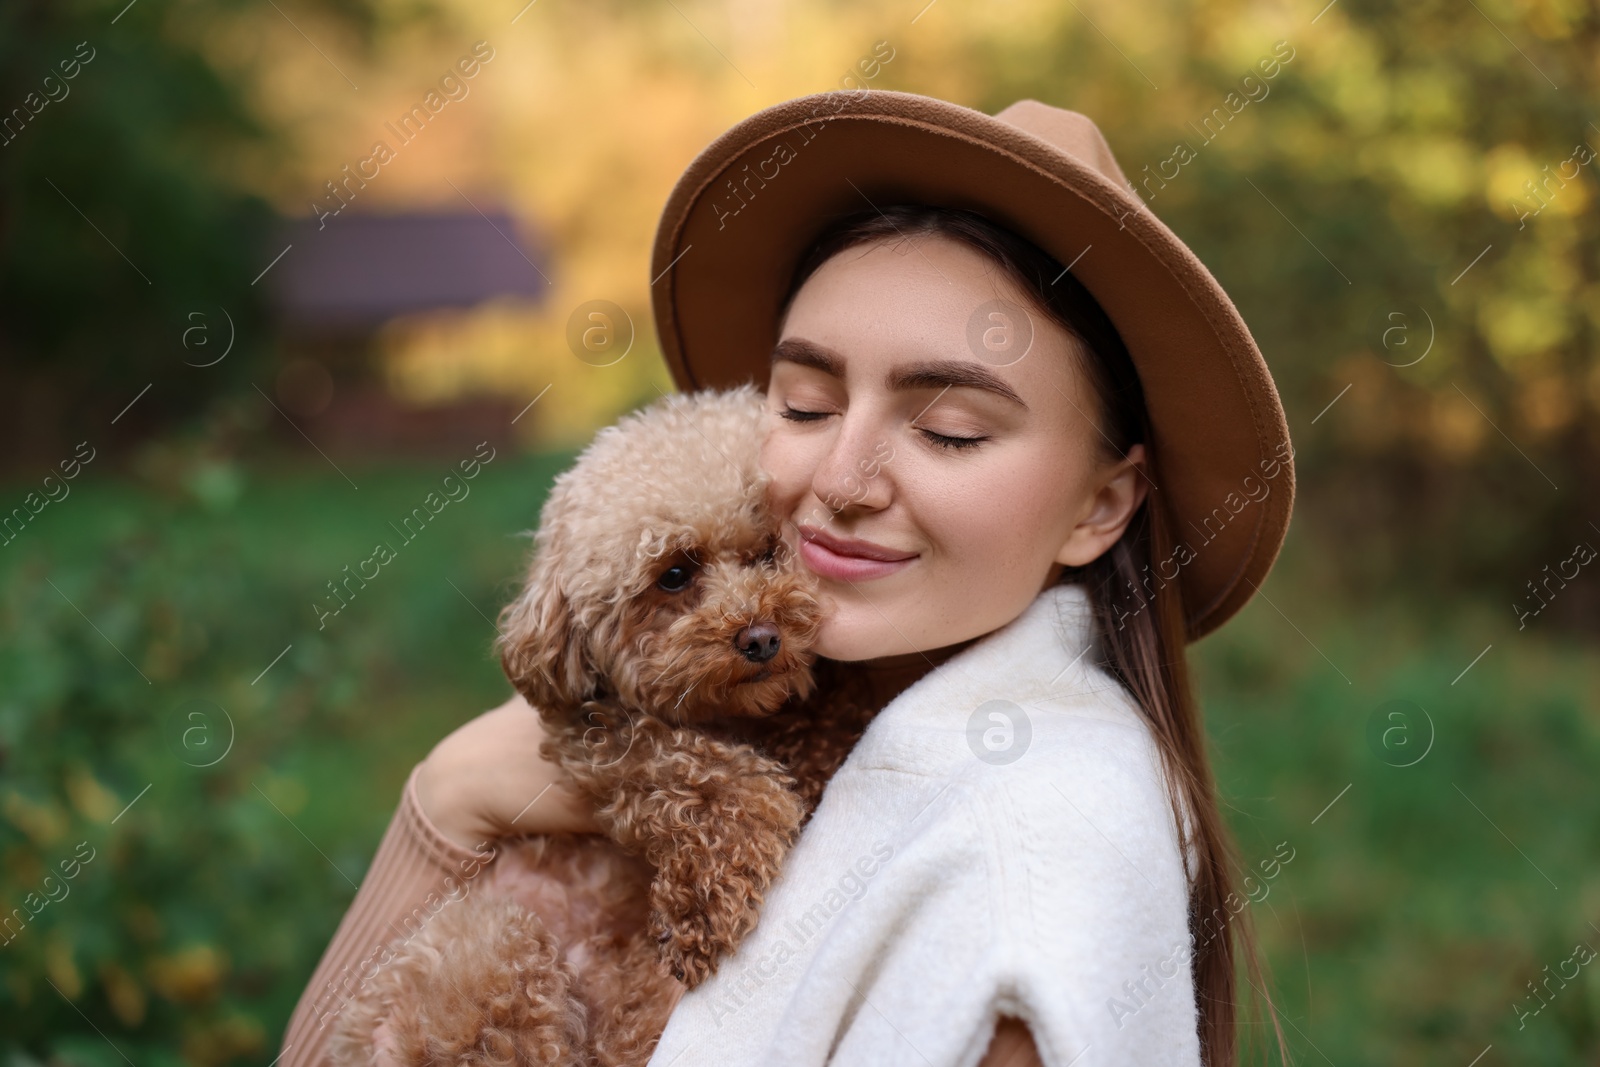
693, 719
675, 483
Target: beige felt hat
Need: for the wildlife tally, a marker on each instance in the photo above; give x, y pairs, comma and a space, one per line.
749, 206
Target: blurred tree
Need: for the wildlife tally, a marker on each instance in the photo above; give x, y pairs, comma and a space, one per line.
1407, 180
1403, 208
130, 231
118, 218
1352, 174
1408, 216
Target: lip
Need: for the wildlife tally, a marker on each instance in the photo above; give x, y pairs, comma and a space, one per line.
847, 558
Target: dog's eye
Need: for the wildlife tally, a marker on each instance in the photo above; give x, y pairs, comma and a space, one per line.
675, 578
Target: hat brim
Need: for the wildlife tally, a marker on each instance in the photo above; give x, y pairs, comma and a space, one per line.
751, 203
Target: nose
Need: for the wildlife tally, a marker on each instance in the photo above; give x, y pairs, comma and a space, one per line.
854, 473
758, 642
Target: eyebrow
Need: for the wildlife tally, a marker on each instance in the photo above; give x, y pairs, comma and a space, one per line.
930, 374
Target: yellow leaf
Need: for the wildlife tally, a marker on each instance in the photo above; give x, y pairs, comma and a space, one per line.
1506, 167
44, 823
224, 1040
59, 967
1438, 170
126, 997
190, 975
92, 799
1519, 328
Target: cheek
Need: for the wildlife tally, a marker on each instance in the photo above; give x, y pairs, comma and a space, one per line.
791, 465
1009, 514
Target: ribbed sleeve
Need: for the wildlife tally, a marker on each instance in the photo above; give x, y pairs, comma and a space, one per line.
414, 861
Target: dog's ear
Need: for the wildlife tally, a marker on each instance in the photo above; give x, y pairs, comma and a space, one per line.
542, 647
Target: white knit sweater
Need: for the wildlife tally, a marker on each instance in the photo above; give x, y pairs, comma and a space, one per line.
935, 890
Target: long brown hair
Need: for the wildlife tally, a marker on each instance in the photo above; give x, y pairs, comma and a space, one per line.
1141, 633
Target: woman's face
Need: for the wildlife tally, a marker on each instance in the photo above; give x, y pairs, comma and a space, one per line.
935, 485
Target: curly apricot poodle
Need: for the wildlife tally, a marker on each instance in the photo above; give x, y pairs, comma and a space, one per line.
664, 634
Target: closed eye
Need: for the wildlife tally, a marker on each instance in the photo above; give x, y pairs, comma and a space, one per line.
944, 440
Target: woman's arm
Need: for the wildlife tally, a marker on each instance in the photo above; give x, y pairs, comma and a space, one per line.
1011, 1046
487, 779
473, 787
413, 870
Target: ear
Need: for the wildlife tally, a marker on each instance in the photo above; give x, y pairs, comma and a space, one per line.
541, 646
1117, 492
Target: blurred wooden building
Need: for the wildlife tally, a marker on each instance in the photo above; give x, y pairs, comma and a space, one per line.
341, 279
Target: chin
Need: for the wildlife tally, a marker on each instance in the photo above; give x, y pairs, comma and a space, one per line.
849, 636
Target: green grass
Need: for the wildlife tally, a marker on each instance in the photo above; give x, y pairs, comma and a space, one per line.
1419, 904
201, 591
1402, 931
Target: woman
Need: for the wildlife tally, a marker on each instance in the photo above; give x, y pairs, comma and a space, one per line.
1012, 420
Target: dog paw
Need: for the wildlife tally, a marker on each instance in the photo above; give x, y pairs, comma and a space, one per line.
688, 952
696, 924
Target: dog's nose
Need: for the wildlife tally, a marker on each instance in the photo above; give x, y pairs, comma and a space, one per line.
758, 642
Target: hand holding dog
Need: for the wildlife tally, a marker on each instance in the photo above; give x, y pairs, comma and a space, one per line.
477, 783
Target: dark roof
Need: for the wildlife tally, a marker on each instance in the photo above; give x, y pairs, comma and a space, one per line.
359, 270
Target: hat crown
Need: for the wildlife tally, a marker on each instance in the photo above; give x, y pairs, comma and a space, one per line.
1067, 131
